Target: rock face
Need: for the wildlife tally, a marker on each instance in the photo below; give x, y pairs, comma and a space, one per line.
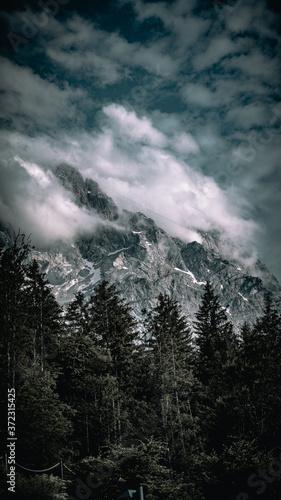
86, 192
130, 250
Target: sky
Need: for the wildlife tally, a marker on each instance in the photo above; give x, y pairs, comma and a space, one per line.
172, 107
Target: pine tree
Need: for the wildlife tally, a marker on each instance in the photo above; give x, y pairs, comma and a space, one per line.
170, 341
112, 324
30, 318
249, 411
77, 314
15, 338
43, 420
44, 315
262, 353
215, 355
215, 342
97, 359
113, 327
86, 384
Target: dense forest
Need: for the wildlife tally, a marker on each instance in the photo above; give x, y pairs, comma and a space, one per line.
188, 412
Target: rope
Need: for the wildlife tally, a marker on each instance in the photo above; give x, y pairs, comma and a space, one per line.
69, 469
33, 470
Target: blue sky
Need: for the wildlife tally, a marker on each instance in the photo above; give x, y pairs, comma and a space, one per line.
173, 107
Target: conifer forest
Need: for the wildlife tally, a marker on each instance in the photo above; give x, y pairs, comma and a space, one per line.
188, 409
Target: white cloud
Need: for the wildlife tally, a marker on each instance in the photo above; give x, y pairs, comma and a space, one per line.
245, 16
184, 143
148, 176
255, 64
80, 46
218, 48
206, 77
249, 116
138, 129
33, 200
135, 164
177, 17
31, 101
198, 94
43, 179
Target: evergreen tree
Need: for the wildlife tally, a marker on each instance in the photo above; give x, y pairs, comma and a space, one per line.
44, 315
249, 411
77, 314
215, 342
97, 360
43, 425
86, 384
30, 318
15, 337
170, 340
113, 327
112, 324
216, 350
262, 374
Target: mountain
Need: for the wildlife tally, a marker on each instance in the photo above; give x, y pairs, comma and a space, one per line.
143, 260
87, 192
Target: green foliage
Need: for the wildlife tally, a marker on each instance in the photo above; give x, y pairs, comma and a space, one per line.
128, 467
41, 486
170, 341
15, 338
112, 325
125, 404
31, 319
215, 340
260, 362
43, 421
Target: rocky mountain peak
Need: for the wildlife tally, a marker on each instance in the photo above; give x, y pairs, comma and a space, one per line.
142, 259
87, 193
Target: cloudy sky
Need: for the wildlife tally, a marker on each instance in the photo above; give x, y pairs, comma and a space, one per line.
173, 107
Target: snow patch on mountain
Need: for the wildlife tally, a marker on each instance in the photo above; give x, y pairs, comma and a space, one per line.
142, 260
244, 298
192, 276
117, 251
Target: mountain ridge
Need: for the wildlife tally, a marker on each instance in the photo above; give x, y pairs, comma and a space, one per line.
142, 259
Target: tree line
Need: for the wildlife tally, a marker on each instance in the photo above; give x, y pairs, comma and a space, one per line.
188, 412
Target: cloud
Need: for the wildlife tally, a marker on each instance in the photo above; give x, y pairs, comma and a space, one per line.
184, 143
83, 49
139, 166
169, 111
33, 200
248, 116
255, 65
31, 102
199, 95
217, 49
135, 128
250, 16
183, 27
151, 176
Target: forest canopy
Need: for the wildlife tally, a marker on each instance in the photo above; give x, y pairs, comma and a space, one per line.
186, 412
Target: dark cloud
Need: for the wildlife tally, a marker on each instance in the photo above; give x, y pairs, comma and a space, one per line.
177, 112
